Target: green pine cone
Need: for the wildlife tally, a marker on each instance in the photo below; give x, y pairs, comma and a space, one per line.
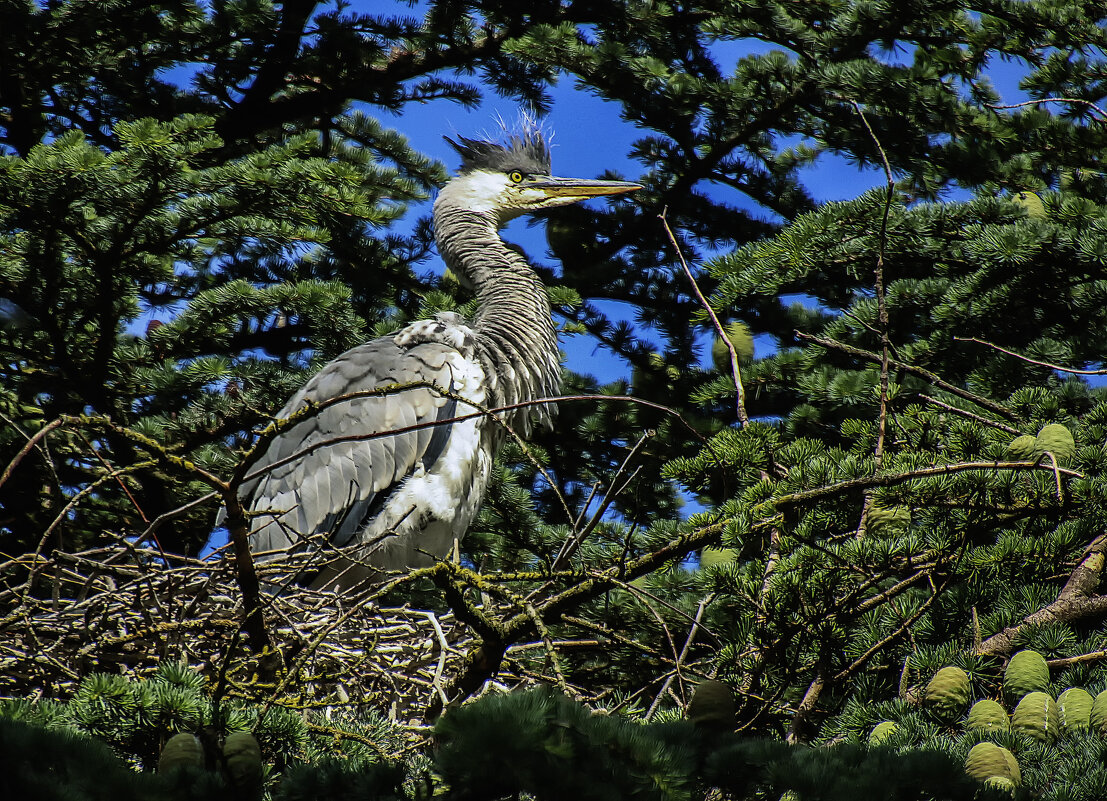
1058, 440
1032, 202
709, 557
1075, 706
987, 760
882, 731
1013, 772
740, 337
1000, 783
1026, 672
948, 692
1098, 716
883, 521
712, 705
182, 750
988, 715
1022, 449
242, 756
1038, 716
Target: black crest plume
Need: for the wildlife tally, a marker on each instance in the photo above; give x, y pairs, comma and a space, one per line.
528, 153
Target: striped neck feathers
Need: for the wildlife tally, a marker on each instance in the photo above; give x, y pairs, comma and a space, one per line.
516, 337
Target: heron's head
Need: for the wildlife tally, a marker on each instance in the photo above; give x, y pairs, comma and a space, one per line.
514, 178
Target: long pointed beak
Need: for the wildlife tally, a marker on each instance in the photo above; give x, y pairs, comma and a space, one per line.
581, 188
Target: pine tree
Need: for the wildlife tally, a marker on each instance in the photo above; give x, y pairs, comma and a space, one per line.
867, 537
911, 481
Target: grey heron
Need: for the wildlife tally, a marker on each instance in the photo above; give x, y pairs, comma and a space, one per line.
374, 504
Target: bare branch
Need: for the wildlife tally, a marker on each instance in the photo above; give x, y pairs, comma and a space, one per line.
32, 441
683, 654
735, 370
881, 300
570, 546
970, 416
1039, 101
1056, 367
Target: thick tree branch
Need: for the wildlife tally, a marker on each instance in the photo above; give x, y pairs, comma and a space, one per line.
1075, 601
1063, 610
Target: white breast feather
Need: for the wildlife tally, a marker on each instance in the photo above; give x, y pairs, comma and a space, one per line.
448, 495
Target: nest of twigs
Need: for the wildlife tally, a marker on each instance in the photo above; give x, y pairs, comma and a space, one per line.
124, 609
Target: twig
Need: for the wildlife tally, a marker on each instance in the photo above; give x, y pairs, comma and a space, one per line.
772, 558
482, 663
881, 300
643, 594
683, 654
244, 474
570, 546
892, 479
551, 652
73, 502
254, 620
622, 639
905, 626
1092, 656
441, 667
804, 709
107, 466
1038, 101
1056, 367
970, 416
165, 517
221, 681
885, 340
735, 370
33, 440
870, 328
1057, 476
891, 592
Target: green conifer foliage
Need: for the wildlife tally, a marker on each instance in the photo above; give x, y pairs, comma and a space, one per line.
200, 745
91, 239
921, 483
956, 397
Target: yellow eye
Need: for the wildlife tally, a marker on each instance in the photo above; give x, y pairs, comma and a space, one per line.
515, 176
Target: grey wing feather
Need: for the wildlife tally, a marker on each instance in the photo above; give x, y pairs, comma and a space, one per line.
333, 488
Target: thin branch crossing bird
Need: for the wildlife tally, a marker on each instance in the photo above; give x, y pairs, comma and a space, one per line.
392, 503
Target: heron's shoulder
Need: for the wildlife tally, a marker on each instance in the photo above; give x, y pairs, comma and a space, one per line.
439, 350
445, 328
